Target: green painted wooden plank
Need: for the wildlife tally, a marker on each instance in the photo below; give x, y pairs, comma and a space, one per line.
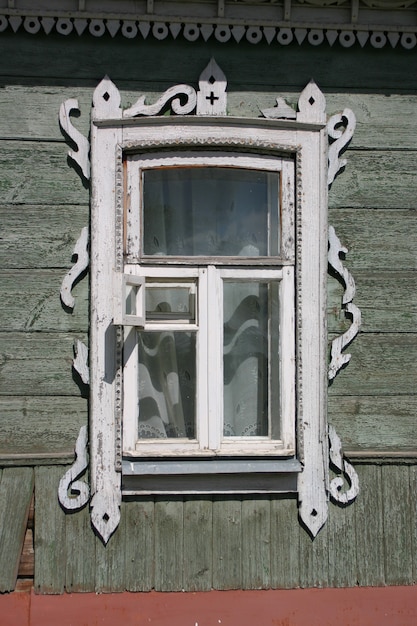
375, 423
413, 512
227, 543
314, 558
256, 543
40, 236
140, 548
16, 490
80, 570
40, 425
169, 544
353, 69
398, 517
342, 545
376, 180
285, 542
37, 173
37, 364
110, 559
31, 300
32, 111
198, 541
377, 239
387, 300
381, 365
49, 537
368, 508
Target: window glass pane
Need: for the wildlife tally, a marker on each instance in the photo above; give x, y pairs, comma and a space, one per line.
250, 359
170, 301
167, 384
206, 211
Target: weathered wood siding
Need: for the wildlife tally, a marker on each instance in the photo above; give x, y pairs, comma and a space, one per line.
204, 543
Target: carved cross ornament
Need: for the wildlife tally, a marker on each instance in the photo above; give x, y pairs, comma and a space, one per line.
193, 125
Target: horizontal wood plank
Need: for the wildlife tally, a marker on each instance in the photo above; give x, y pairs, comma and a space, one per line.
36, 425
38, 364
31, 302
372, 423
16, 490
381, 365
40, 236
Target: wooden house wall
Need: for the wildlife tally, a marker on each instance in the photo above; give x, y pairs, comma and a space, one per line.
198, 543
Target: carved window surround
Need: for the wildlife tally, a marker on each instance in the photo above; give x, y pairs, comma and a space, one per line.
201, 123
368, 22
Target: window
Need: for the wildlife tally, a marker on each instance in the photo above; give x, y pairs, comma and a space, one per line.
209, 363
208, 339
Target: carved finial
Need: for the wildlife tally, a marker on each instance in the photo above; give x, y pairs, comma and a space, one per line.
311, 105
212, 97
106, 100
105, 512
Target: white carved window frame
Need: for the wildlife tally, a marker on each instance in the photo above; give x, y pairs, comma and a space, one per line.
303, 137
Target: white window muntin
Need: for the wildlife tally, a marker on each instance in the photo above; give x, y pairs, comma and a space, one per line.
209, 366
137, 163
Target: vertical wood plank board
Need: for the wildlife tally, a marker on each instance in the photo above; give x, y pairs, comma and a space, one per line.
256, 543
397, 520
227, 543
50, 536
16, 489
80, 572
198, 544
285, 543
140, 546
169, 544
342, 546
110, 559
413, 492
368, 509
314, 558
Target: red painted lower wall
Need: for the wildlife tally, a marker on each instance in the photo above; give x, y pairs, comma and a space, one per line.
382, 606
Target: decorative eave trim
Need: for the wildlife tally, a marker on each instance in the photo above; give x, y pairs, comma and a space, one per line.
352, 22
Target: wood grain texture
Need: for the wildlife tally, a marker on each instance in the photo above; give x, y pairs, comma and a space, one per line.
398, 519
256, 543
80, 570
40, 236
368, 521
16, 490
285, 540
381, 364
375, 423
31, 302
110, 559
341, 546
169, 544
50, 535
198, 542
140, 544
227, 543
37, 364
39, 425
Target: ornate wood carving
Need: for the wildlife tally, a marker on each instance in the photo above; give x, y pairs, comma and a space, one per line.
80, 362
81, 155
74, 494
341, 465
338, 360
81, 252
340, 128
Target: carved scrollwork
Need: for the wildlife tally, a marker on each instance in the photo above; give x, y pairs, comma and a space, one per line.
80, 155
80, 491
341, 465
80, 362
339, 343
183, 100
341, 137
81, 252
